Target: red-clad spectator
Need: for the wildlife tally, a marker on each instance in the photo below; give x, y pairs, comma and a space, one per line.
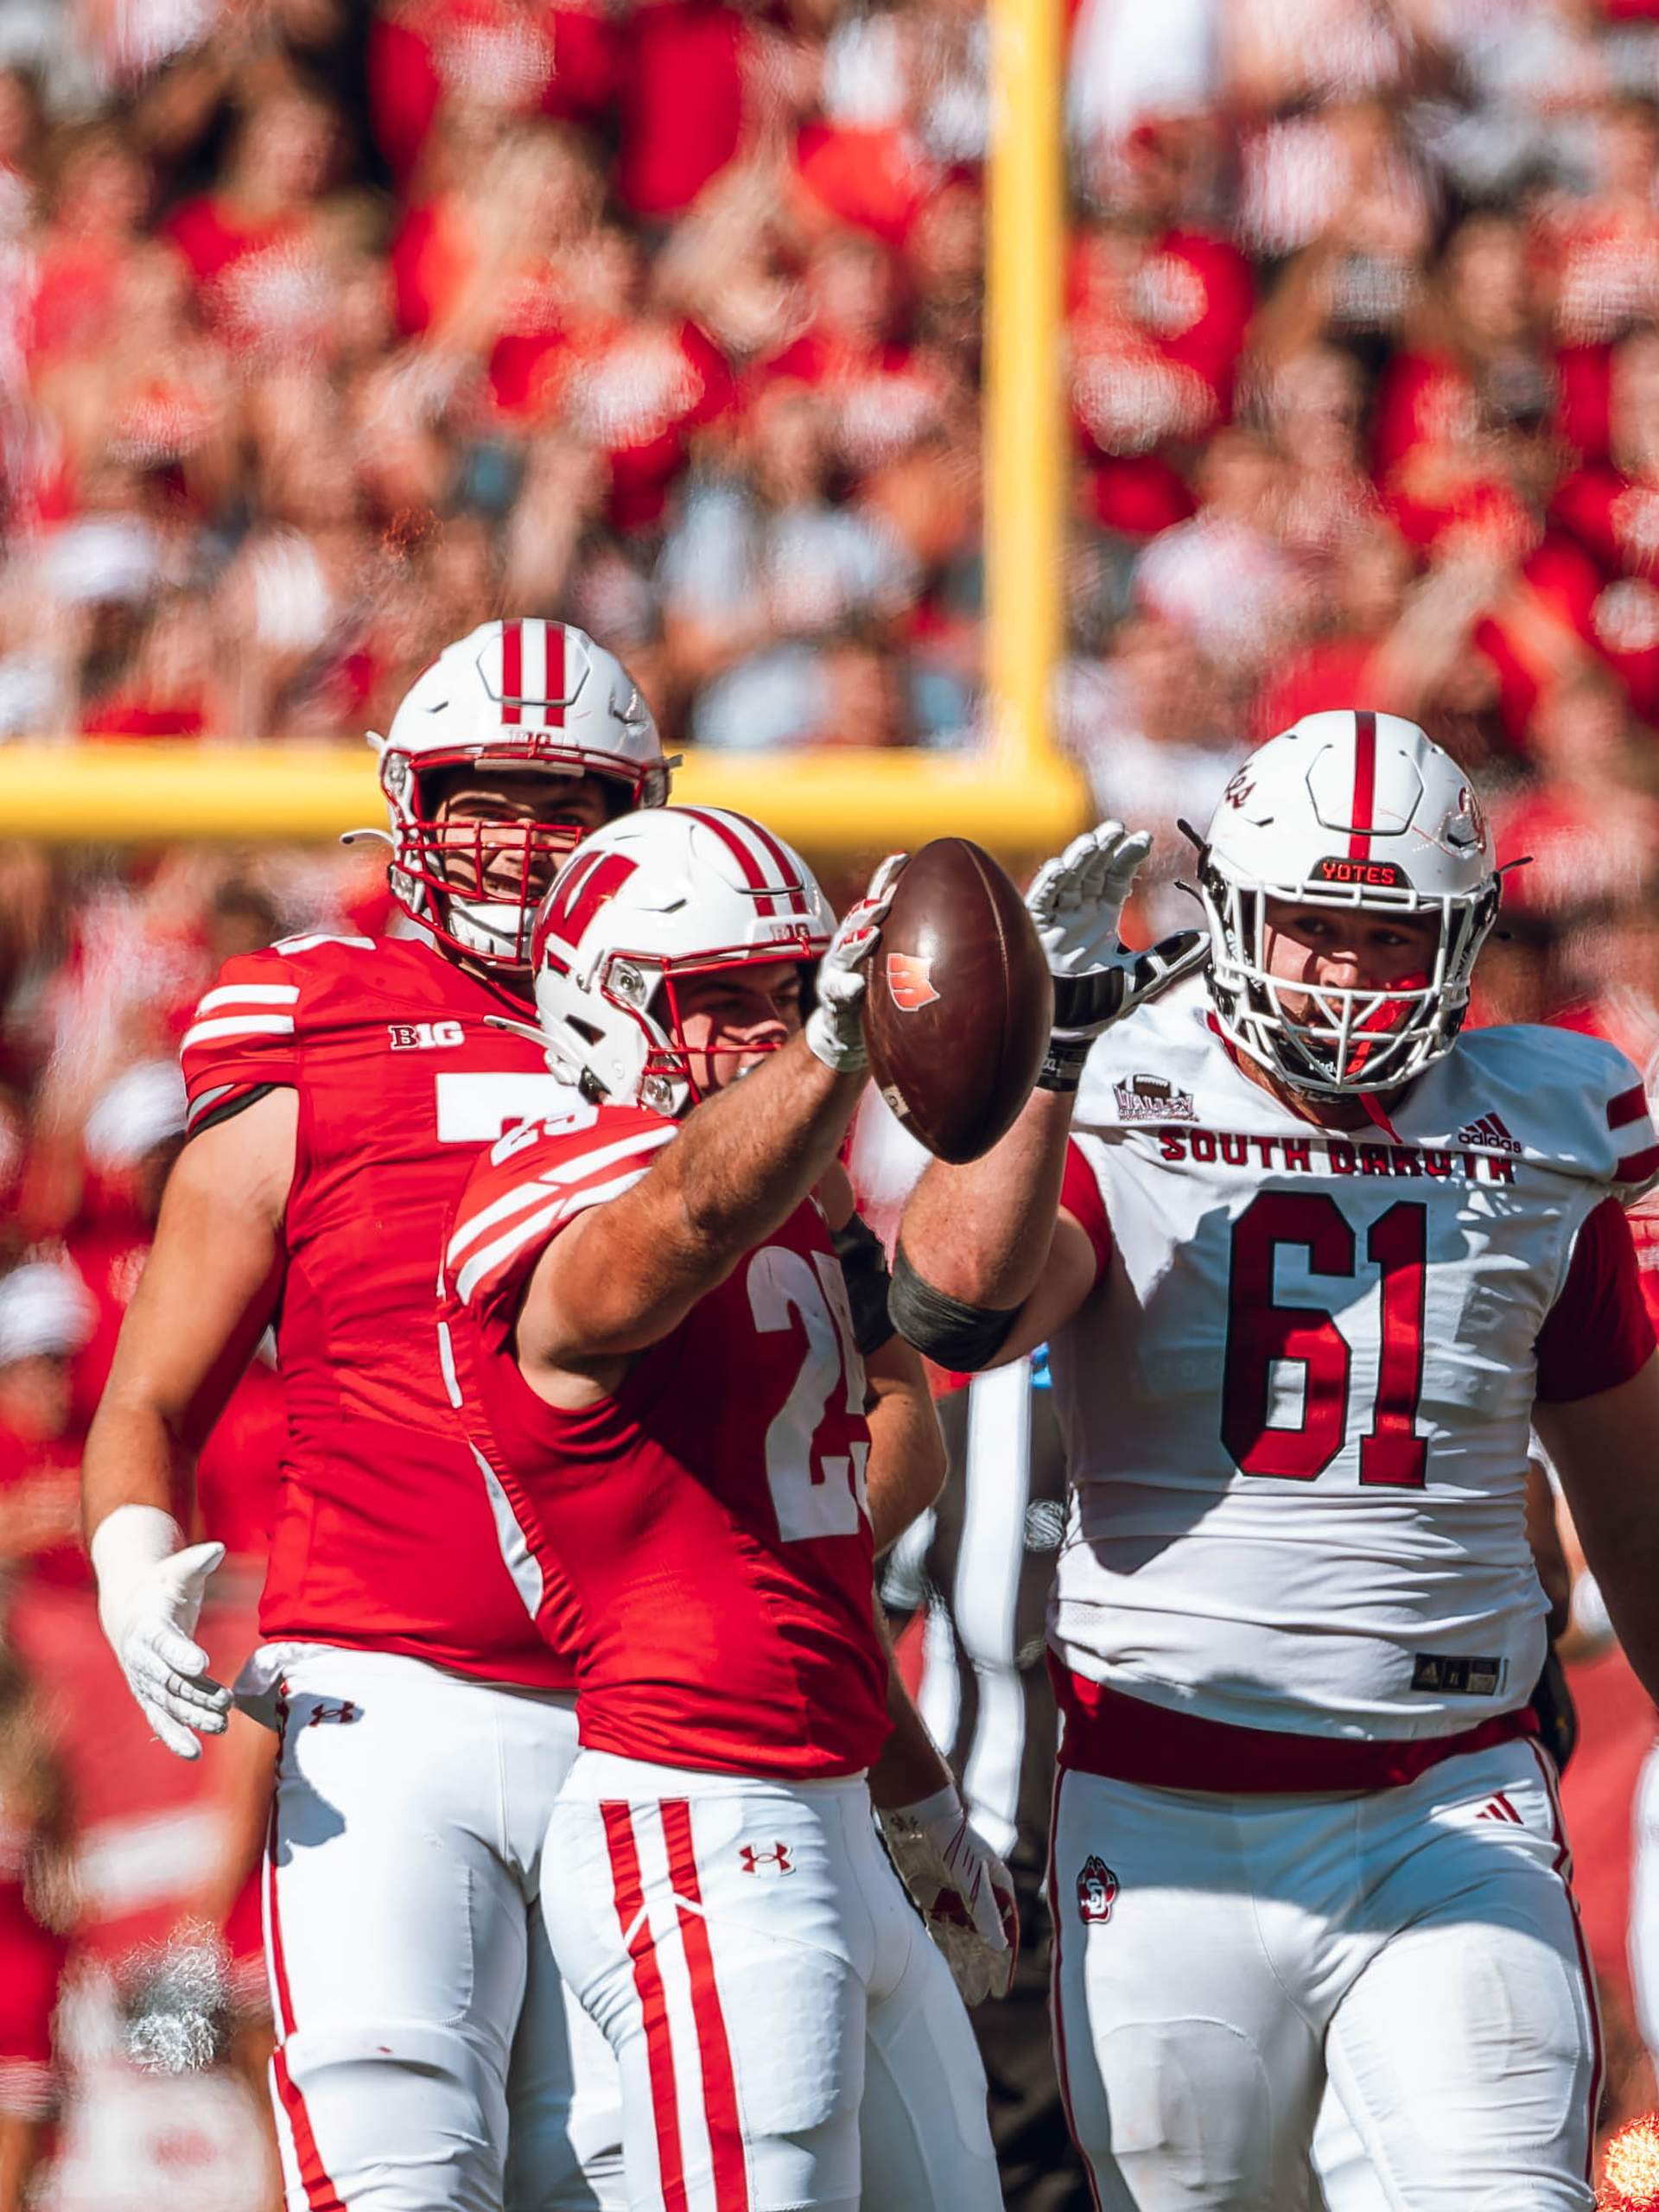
1312, 405
171, 688
484, 260
1597, 258
36, 1905
46, 1317
1223, 576
258, 246
1461, 416
145, 419
1131, 398
635, 385
101, 198
131, 1140
879, 396
682, 103
1589, 828
1611, 507
510, 58
874, 178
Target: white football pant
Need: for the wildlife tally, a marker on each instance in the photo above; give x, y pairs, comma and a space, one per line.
787, 2034
430, 2059
1644, 1902
1419, 1944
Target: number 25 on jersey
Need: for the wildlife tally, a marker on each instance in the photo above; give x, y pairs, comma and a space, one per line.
816, 1489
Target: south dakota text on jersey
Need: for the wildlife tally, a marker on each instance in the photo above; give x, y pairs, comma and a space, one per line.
1323, 1155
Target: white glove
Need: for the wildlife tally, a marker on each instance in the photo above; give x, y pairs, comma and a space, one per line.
961, 1888
1076, 903
149, 1596
835, 1028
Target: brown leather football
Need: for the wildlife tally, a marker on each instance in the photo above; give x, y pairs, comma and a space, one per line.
960, 1002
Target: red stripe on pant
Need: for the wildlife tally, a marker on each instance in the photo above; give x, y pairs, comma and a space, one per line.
714, 2045
1056, 2011
629, 1893
1564, 1868
1359, 845
320, 2193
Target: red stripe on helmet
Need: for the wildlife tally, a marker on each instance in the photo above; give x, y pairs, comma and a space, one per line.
785, 867
554, 634
512, 671
753, 873
1359, 845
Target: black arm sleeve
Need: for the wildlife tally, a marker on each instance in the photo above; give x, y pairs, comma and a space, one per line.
232, 1107
958, 1336
864, 1266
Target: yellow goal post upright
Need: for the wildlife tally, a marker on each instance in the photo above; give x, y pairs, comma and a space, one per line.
1014, 794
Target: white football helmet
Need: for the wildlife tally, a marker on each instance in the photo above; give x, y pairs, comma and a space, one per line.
517, 694
1355, 810
647, 899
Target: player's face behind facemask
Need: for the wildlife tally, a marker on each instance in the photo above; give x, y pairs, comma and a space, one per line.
726, 1020
498, 836
1346, 977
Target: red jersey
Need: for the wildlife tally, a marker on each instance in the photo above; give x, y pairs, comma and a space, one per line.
708, 1517
32, 1960
386, 1536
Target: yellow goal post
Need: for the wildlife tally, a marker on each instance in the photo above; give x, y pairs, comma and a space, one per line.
1015, 795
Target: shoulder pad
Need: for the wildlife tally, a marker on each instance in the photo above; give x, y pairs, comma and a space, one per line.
1572, 1101
1140, 1065
533, 1182
243, 1033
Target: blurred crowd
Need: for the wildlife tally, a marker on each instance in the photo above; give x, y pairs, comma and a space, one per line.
328, 330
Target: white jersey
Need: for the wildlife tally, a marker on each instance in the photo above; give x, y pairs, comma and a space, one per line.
1296, 1406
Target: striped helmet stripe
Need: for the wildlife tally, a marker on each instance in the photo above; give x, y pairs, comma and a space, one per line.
513, 672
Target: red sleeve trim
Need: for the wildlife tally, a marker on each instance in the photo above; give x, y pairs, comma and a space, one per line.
1080, 1197
1598, 1333
1637, 1166
1629, 1106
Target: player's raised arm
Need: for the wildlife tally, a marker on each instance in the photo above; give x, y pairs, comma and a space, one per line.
207, 1291
989, 1262
624, 1274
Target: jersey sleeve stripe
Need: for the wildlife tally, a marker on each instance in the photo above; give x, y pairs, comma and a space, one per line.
589, 1163
499, 1210
484, 1262
248, 995
1629, 1106
240, 1024
557, 1177
564, 1206
1637, 1166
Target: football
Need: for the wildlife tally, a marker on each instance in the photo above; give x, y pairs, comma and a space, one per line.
960, 1002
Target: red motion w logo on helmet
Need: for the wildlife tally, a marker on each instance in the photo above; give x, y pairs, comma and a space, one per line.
582, 888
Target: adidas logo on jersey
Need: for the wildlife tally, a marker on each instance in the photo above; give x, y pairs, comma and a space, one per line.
1154, 1098
1489, 1129
771, 1862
